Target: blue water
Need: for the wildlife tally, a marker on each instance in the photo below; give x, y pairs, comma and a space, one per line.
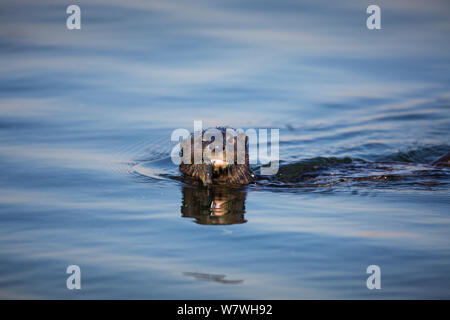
86, 117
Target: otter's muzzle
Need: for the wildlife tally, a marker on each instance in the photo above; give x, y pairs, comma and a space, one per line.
219, 163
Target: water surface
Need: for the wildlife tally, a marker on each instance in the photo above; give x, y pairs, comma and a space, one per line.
86, 118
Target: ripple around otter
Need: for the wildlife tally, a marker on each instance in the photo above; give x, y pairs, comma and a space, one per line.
327, 174
162, 169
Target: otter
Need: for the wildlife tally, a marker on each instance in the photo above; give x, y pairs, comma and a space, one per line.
215, 168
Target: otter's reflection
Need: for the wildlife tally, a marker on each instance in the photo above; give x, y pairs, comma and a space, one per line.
216, 205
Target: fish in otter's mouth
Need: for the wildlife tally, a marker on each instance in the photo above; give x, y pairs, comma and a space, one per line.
217, 156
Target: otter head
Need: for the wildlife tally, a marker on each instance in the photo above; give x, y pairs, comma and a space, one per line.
216, 156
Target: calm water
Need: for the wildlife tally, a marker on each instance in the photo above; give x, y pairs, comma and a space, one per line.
86, 118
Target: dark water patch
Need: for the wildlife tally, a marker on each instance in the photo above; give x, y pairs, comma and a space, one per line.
420, 154
342, 175
410, 117
36, 86
20, 124
291, 172
219, 278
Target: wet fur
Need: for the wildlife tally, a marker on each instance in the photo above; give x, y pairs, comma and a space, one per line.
234, 174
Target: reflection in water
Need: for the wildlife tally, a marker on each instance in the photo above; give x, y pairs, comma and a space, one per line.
216, 205
212, 277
